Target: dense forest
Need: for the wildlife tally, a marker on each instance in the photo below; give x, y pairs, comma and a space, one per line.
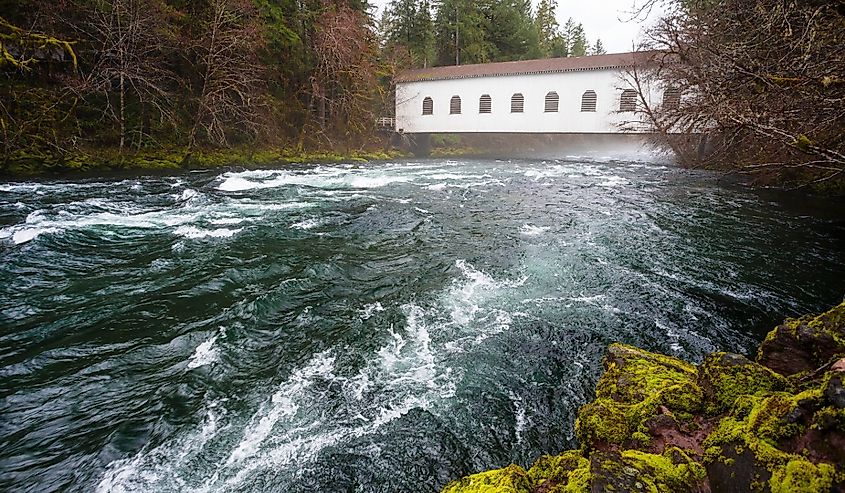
118, 79
123, 77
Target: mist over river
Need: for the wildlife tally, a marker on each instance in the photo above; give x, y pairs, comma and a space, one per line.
380, 328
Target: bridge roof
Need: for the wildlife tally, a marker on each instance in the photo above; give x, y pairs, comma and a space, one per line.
529, 67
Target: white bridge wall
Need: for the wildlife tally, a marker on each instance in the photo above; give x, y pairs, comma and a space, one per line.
570, 86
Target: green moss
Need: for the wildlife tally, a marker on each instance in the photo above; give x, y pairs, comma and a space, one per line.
830, 323
672, 471
829, 418
602, 420
636, 383
23, 163
802, 476
569, 471
511, 479
803, 142
729, 376
760, 422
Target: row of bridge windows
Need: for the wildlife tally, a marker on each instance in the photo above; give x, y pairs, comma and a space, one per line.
589, 100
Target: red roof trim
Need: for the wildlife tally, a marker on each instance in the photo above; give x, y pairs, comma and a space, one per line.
529, 67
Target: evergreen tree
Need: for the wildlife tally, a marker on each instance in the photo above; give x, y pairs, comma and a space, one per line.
578, 41
424, 34
512, 35
399, 22
461, 33
598, 48
548, 29
406, 25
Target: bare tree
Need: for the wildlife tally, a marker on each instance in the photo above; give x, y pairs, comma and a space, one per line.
763, 79
228, 97
344, 81
129, 61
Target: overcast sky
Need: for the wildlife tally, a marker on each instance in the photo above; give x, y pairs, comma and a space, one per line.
605, 19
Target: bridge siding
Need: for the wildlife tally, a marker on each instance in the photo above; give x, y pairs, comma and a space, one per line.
570, 86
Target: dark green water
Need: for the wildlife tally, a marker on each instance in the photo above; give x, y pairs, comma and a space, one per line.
379, 329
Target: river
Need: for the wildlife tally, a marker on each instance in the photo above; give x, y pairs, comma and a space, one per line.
376, 328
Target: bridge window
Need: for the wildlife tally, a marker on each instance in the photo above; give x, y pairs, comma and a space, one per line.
455, 105
628, 102
588, 101
428, 106
485, 104
517, 103
552, 102
671, 98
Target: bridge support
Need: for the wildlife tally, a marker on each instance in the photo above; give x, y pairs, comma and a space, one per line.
420, 144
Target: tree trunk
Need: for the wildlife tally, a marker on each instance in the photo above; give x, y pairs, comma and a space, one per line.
122, 113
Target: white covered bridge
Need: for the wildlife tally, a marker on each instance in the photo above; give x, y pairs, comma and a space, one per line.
577, 95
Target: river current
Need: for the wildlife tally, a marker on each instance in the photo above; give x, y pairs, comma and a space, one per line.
375, 328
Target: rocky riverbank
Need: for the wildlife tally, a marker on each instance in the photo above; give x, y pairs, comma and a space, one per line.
109, 160
659, 424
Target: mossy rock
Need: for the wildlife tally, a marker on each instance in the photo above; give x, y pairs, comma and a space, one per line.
724, 377
633, 470
765, 442
802, 476
635, 387
805, 344
511, 479
567, 472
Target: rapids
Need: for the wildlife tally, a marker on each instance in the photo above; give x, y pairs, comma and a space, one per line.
380, 328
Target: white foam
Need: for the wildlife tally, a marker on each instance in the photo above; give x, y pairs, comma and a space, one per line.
532, 230
193, 232
187, 194
465, 298
38, 223
205, 354
282, 405
519, 417
26, 234
307, 224
228, 221
318, 178
368, 310
260, 206
614, 181
452, 176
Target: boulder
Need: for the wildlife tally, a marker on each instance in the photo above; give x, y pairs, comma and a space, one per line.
725, 376
637, 385
511, 479
805, 344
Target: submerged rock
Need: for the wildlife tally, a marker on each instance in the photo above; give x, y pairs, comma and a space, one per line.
659, 424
